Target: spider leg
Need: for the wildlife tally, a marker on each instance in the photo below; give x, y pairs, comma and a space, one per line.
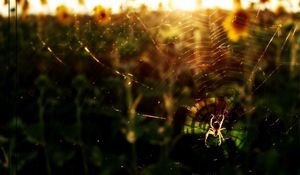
211, 120
220, 138
206, 136
209, 132
221, 123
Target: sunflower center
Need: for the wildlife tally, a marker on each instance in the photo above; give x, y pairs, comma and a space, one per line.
102, 15
64, 15
240, 21
264, 1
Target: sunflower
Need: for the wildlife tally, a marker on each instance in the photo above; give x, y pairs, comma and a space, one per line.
63, 14
280, 10
236, 25
101, 15
263, 1
43, 2
81, 2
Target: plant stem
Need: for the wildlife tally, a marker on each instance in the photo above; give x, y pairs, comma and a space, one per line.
42, 124
78, 120
131, 113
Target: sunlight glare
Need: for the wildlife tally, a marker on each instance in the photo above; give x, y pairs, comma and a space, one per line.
114, 5
217, 3
184, 5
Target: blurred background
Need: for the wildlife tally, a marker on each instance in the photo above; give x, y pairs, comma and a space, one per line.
131, 86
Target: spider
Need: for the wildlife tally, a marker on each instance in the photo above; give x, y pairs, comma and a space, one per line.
215, 129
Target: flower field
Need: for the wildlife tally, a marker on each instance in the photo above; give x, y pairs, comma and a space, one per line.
209, 91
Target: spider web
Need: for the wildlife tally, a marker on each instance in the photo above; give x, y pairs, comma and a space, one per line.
190, 42
184, 51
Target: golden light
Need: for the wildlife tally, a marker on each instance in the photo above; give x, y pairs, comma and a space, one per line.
184, 5
114, 5
217, 3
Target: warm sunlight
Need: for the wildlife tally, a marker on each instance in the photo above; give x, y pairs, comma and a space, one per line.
151, 87
189, 5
